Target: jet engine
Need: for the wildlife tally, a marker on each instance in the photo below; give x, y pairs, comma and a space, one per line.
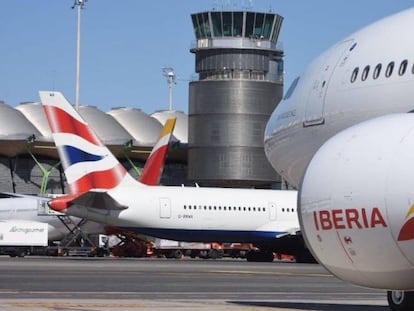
356, 203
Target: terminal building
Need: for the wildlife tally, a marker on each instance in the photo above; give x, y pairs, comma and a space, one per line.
240, 81
29, 162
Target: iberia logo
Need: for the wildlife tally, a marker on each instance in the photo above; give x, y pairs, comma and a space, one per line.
407, 231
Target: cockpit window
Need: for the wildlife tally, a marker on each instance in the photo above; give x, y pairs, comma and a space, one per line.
292, 87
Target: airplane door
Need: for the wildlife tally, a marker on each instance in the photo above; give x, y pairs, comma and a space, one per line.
165, 208
314, 113
272, 211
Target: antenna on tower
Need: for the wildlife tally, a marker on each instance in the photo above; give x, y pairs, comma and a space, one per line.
168, 72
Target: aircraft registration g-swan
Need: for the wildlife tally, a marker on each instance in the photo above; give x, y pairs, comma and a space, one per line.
344, 136
101, 190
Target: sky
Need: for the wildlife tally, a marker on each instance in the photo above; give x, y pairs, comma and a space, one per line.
126, 43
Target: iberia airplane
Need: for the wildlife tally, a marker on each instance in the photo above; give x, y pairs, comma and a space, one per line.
344, 136
102, 190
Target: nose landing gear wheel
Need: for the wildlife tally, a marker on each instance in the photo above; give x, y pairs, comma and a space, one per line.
399, 300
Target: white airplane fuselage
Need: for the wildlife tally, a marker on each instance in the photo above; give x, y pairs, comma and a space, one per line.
325, 101
18, 207
353, 168
200, 214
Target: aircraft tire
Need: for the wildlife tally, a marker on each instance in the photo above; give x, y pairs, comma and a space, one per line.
178, 254
400, 300
263, 256
305, 256
213, 254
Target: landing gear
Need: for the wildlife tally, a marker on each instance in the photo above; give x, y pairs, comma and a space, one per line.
399, 300
304, 256
260, 256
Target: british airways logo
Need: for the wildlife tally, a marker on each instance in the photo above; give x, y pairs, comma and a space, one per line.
407, 230
349, 218
79, 148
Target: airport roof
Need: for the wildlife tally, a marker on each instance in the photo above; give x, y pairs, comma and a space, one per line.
25, 128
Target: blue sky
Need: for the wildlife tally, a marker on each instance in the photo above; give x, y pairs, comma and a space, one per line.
125, 44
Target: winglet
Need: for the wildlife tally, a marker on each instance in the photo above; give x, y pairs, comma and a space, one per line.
151, 174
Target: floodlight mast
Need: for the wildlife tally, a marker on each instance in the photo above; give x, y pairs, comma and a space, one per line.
80, 4
168, 72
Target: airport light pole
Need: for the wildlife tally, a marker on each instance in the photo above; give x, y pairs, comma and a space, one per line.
168, 72
80, 4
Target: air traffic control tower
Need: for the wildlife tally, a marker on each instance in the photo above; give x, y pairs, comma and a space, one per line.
240, 81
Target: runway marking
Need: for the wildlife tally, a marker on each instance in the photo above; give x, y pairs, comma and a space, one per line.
273, 273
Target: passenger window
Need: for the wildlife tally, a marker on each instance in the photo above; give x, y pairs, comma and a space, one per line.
389, 70
403, 67
377, 71
354, 75
365, 73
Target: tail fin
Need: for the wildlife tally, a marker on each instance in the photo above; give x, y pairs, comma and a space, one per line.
88, 164
151, 174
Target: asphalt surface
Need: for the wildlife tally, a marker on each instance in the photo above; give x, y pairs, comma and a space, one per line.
47, 283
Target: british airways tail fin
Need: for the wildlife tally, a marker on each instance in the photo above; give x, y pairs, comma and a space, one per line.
87, 163
152, 171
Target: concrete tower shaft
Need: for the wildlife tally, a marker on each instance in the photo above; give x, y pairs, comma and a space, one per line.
240, 81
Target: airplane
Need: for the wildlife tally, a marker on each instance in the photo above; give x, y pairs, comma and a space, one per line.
101, 190
15, 206
343, 136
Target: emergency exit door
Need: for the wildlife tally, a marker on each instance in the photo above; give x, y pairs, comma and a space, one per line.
165, 208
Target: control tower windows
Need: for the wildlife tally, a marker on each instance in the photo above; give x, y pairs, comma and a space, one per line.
227, 24
217, 24
201, 25
250, 25
258, 25
237, 24
267, 27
